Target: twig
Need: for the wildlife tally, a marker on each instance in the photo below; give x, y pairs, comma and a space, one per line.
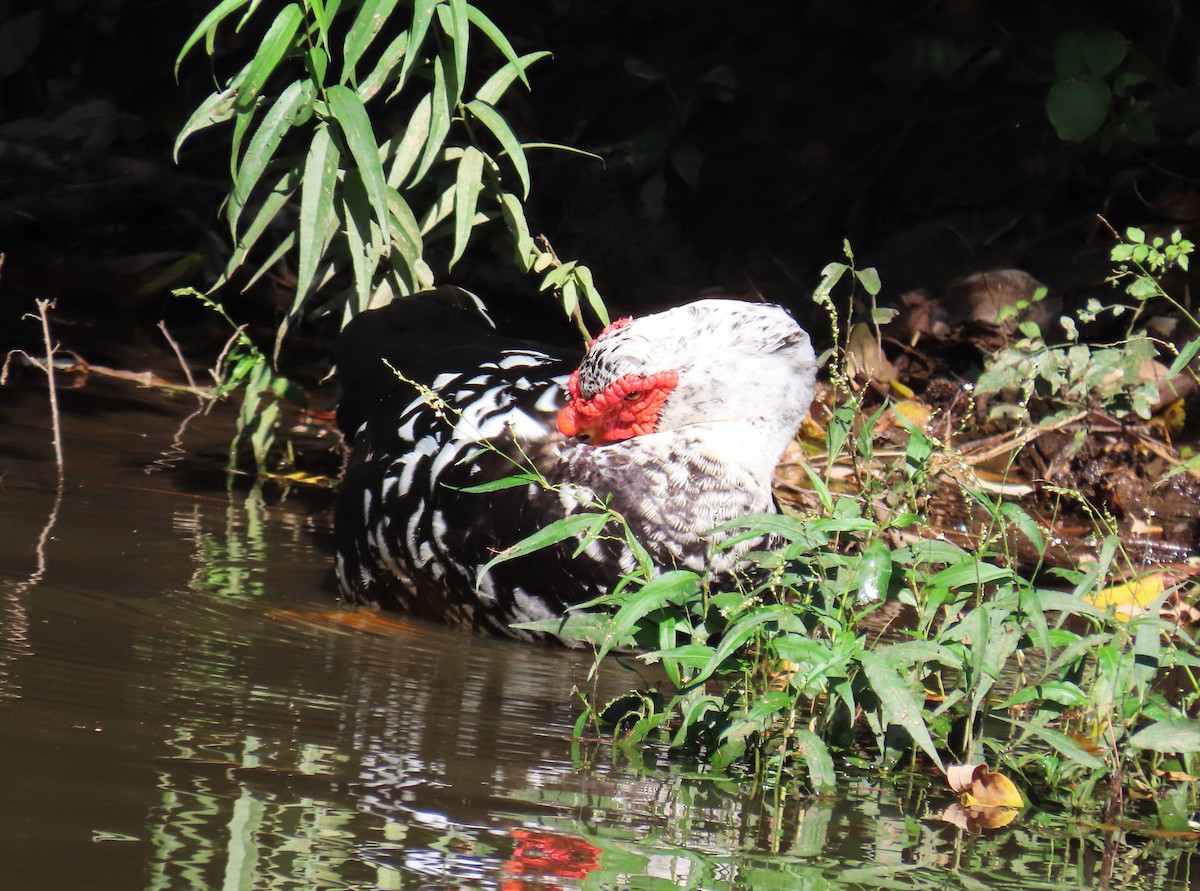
43, 308
47, 367
187, 372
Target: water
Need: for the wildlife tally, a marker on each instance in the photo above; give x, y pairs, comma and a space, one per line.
183, 706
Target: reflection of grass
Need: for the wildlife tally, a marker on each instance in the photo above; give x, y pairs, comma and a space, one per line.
229, 564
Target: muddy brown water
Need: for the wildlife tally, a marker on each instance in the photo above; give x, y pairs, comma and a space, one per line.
181, 708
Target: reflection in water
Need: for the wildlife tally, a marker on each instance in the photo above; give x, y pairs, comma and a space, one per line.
187, 718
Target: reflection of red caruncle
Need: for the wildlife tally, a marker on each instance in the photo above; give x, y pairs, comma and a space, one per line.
546, 854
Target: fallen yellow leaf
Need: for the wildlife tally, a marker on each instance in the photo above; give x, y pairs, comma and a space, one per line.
978, 786
1130, 598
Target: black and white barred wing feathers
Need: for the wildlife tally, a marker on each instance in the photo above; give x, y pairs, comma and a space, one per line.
676, 420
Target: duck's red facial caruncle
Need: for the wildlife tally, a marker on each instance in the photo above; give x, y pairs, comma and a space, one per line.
626, 408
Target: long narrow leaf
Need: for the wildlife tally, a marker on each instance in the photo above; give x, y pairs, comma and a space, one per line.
499, 128
812, 748
518, 226
275, 125
406, 234
670, 587
409, 149
279, 195
1169, 735
737, 636
422, 17
456, 25
364, 252
280, 37
1060, 742
496, 36
573, 526
467, 184
1185, 356
216, 109
347, 109
286, 244
316, 206
392, 56
439, 123
440, 210
243, 118
322, 19
366, 27
897, 702
497, 85
208, 26
592, 293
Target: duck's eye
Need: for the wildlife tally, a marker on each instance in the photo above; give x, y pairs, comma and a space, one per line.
635, 396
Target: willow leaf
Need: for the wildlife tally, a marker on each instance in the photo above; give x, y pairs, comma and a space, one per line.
514, 218
208, 26
439, 122
406, 235
366, 27
587, 526
347, 109
364, 251
279, 38
496, 36
275, 125
422, 16
285, 245
440, 210
216, 109
467, 185
456, 26
670, 587
279, 195
409, 149
497, 85
595, 301
316, 206
897, 702
392, 56
495, 123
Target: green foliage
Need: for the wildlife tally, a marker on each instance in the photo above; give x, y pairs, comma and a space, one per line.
778, 677
1093, 96
243, 366
372, 203
1076, 376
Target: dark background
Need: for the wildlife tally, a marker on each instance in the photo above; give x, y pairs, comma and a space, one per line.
917, 131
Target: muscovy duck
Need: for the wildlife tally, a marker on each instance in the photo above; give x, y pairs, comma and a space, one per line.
678, 419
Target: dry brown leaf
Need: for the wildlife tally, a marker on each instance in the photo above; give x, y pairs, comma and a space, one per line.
978, 786
865, 358
976, 819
